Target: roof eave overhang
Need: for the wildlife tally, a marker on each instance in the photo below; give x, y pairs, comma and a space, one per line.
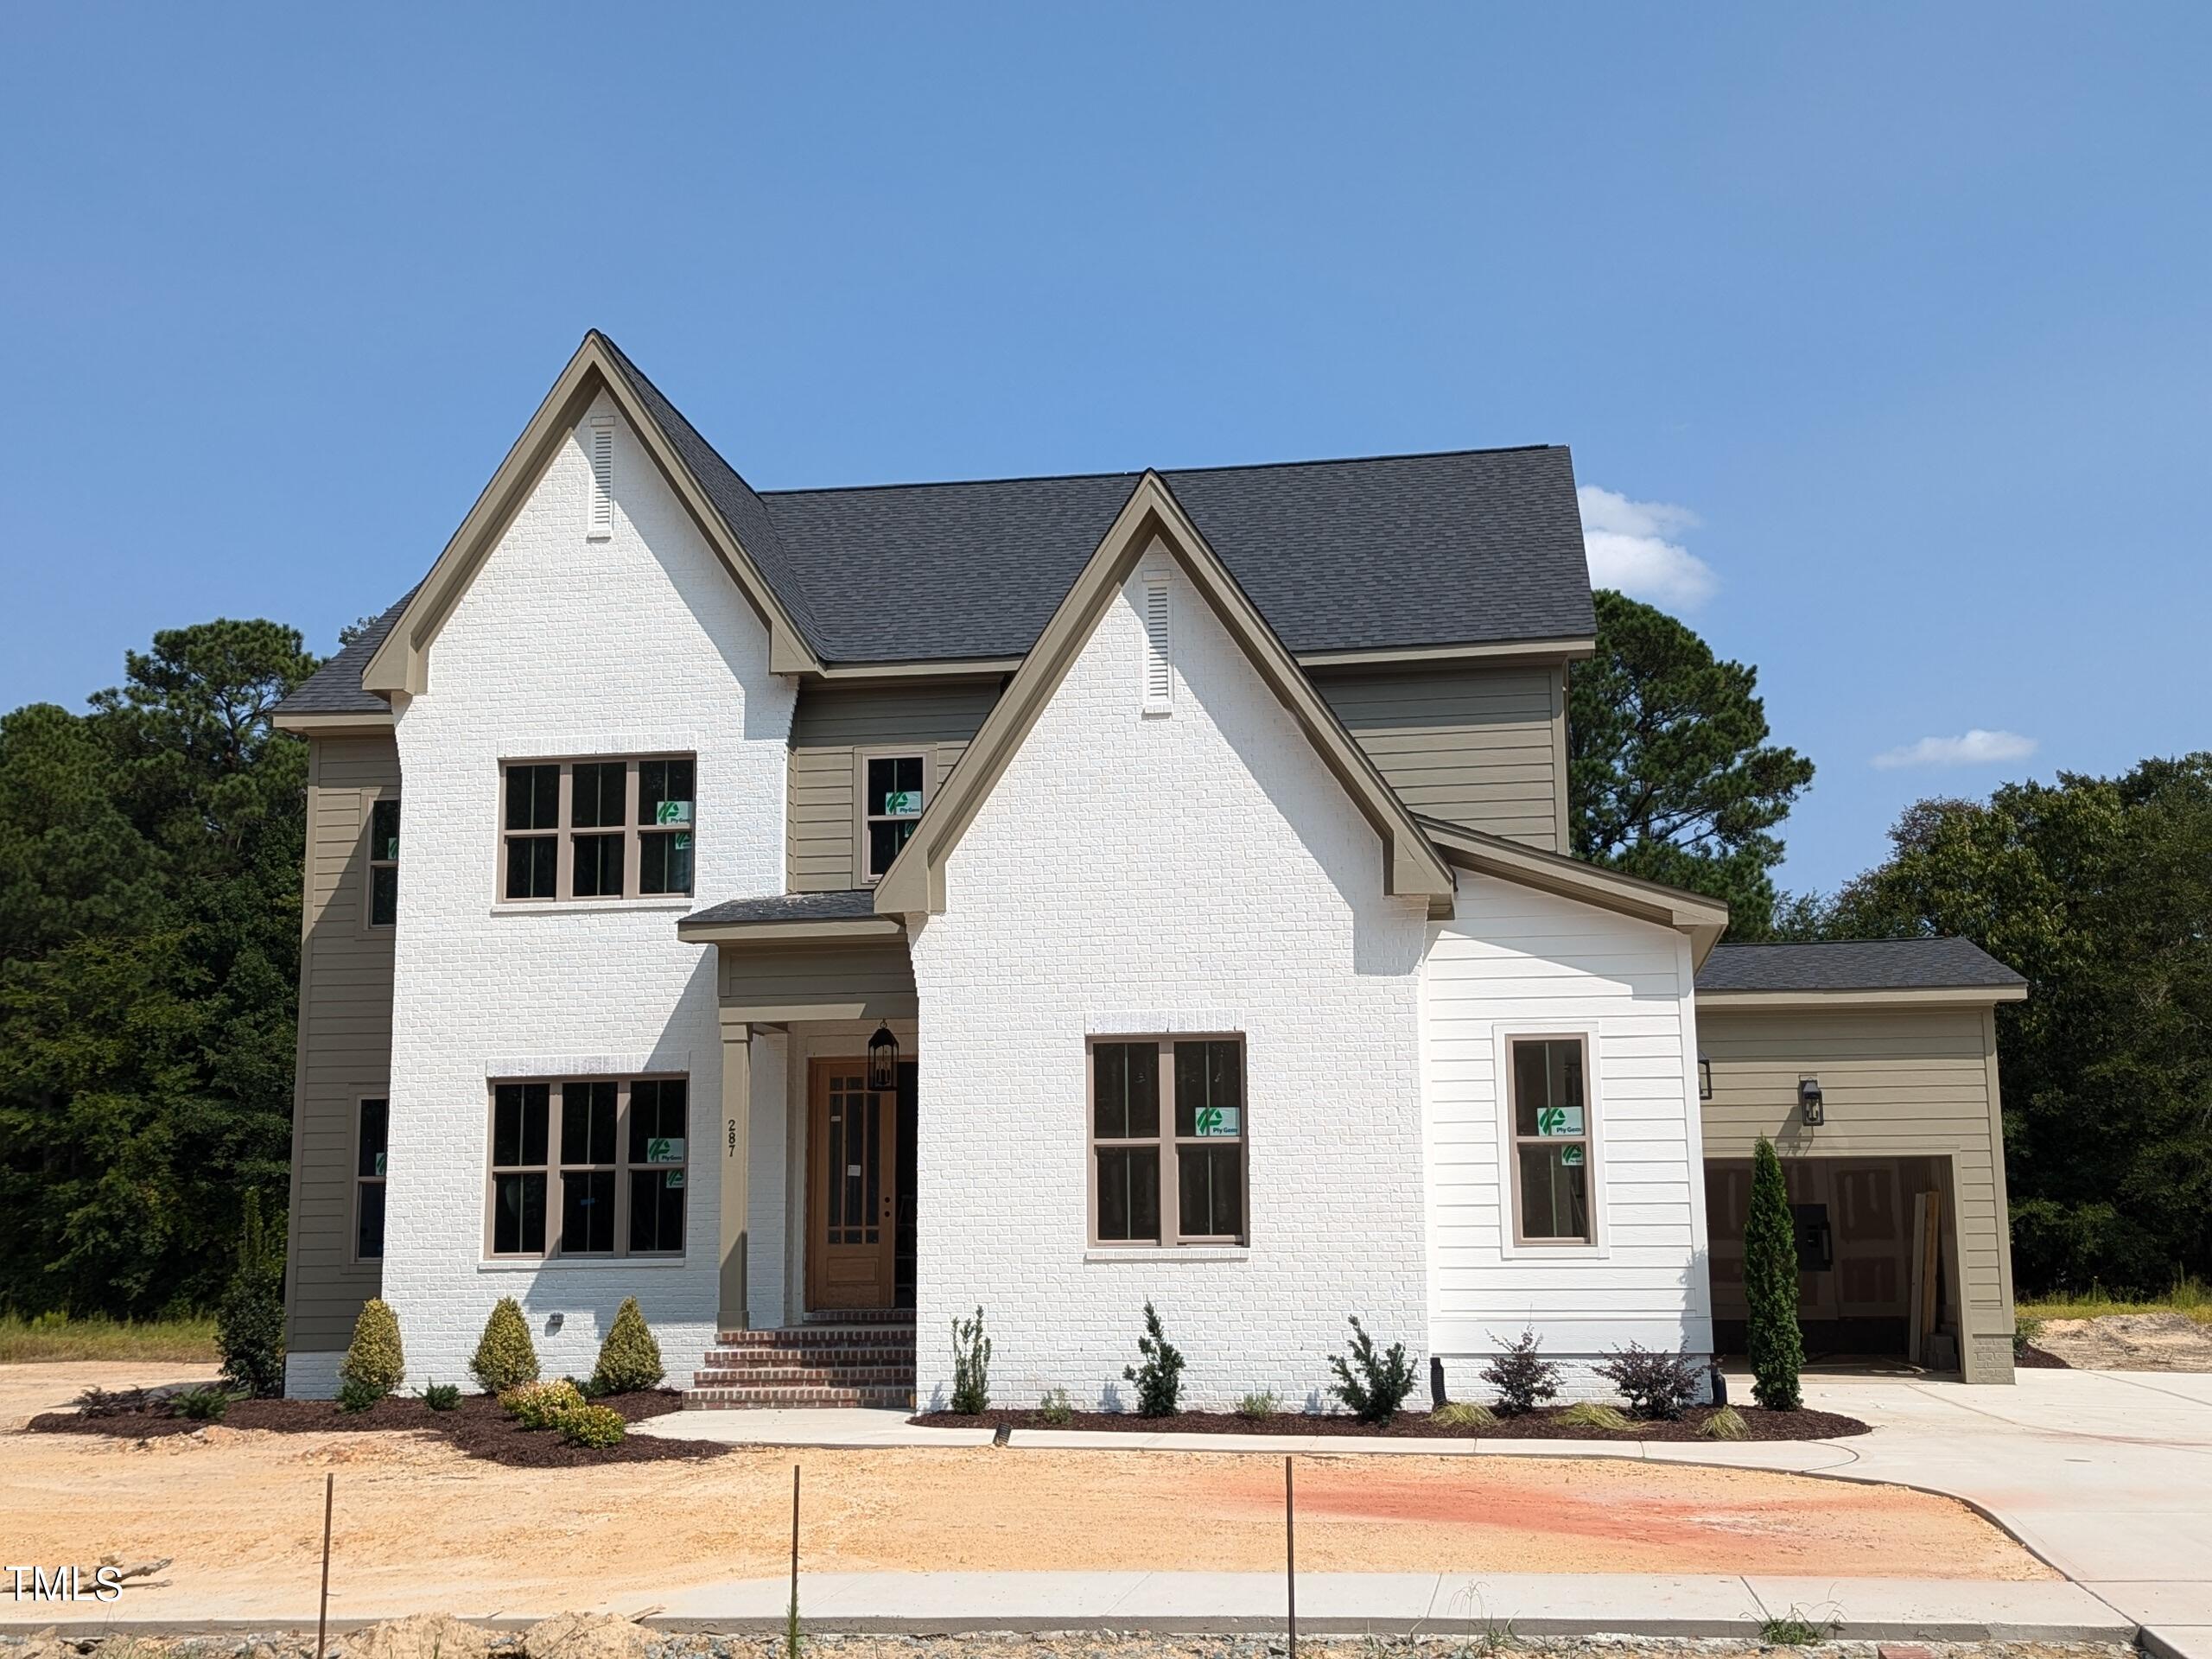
307, 723
825, 929
1566, 648
1701, 919
915, 884
401, 664
1924, 996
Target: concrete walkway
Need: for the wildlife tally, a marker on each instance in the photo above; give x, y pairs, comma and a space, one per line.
2106, 1475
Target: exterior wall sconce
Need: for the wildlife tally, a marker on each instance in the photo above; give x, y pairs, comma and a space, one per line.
882, 1060
1809, 1107
1703, 1079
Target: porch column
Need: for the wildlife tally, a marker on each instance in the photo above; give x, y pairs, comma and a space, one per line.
736, 1140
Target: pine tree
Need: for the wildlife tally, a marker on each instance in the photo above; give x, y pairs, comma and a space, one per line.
1777, 1346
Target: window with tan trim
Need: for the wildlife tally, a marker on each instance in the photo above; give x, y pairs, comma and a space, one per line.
1551, 1139
595, 830
588, 1166
384, 862
1171, 1176
371, 1130
892, 788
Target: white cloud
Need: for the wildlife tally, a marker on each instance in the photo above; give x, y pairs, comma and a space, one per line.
1630, 547
1974, 748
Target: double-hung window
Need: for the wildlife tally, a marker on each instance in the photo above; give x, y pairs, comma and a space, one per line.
1169, 1139
1551, 1140
593, 830
384, 862
892, 787
368, 1179
588, 1166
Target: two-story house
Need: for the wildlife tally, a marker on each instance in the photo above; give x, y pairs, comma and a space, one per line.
822, 913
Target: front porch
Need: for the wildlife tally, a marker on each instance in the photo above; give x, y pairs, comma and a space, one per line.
818, 1214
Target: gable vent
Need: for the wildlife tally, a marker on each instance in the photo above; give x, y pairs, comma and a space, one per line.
1159, 661
600, 523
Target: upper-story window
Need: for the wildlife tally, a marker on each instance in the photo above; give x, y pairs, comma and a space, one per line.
384, 863
587, 830
892, 790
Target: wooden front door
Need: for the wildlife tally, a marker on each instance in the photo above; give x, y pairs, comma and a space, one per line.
852, 1199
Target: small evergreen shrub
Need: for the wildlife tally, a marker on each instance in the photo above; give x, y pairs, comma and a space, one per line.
203, 1405
1655, 1383
542, 1404
1725, 1423
972, 1367
375, 1360
1589, 1414
2026, 1329
1258, 1407
96, 1401
250, 1319
441, 1396
629, 1359
1160, 1379
1463, 1414
506, 1357
354, 1394
598, 1426
1774, 1343
1055, 1409
1374, 1385
1524, 1379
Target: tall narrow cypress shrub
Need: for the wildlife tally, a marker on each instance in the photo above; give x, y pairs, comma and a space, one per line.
1777, 1346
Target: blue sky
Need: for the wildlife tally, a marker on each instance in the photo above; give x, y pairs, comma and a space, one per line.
1887, 333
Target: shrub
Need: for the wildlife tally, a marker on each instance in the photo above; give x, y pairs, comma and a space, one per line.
1655, 1382
1055, 1409
505, 1356
1523, 1378
203, 1405
2026, 1329
1257, 1407
112, 1402
1374, 1385
1589, 1414
1463, 1414
1776, 1346
972, 1367
629, 1359
1160, 1379
250, 1319
353, 1395
1725, 1423
599, 1426
441, 1396
376, 1360
542, 1404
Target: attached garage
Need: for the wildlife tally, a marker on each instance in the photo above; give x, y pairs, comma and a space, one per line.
1872, 1068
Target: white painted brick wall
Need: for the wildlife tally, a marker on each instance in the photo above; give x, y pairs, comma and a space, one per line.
1515, 960
565, 648
1201, 871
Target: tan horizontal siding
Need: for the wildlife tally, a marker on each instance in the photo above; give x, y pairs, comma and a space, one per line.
1895, 1082
828, 727
1485, 748
345, 1039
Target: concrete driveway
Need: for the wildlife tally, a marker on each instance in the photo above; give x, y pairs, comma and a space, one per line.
2108, 1475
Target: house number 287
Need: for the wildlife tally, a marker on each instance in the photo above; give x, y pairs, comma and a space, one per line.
732, 1153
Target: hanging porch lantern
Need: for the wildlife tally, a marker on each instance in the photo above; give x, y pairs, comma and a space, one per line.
883, 1060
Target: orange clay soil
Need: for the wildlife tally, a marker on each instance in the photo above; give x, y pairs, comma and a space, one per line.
423, 1527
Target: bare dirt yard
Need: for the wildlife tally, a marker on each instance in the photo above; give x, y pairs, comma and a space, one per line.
423, 1527
2129, 1341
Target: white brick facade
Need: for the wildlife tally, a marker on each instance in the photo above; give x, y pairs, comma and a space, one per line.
1199, 872
568, 647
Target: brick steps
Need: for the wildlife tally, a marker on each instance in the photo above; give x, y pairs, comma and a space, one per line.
844, 1359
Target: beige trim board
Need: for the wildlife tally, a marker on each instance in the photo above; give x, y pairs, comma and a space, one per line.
929, 669
314, 725
875, 1005
1703, 920
916, 880
1934, 996
1501, 652
828, 928
402, 662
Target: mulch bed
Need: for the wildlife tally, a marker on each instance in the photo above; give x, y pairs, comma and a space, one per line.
2028, 1358
1540, 1425
476, 1426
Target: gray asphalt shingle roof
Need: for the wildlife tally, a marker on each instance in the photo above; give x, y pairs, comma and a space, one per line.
1855, 965
335, 688
1481, 546
841, 906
